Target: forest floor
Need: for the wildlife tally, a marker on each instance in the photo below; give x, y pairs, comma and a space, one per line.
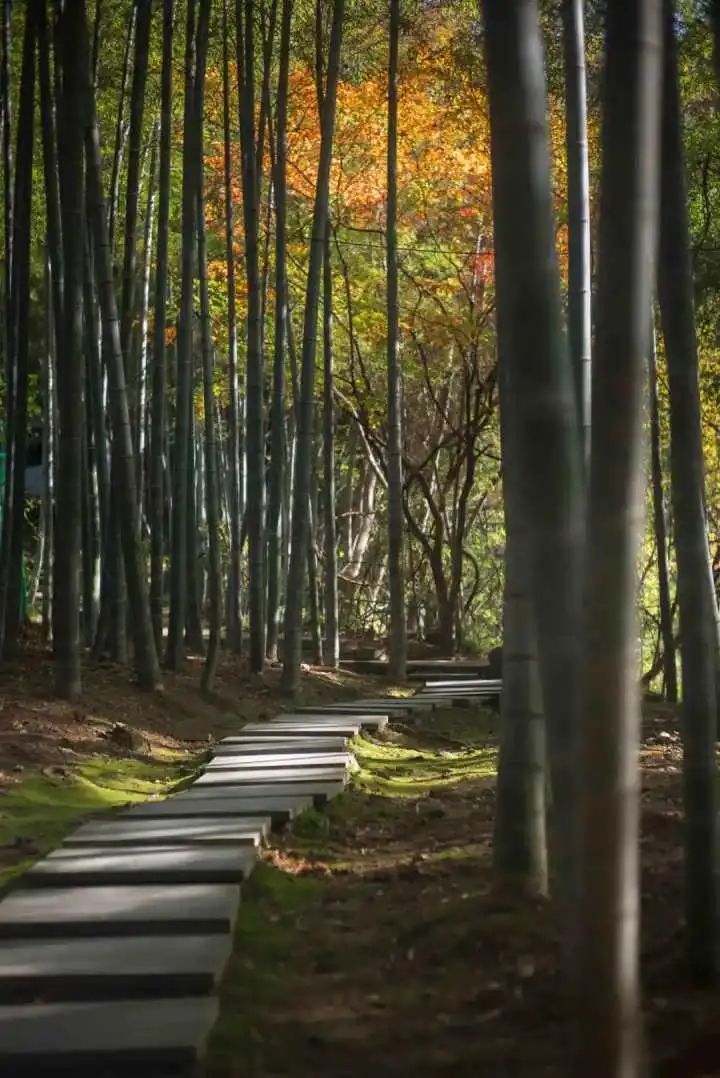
371, 939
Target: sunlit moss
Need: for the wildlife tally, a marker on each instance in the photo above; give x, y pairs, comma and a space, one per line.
37, 812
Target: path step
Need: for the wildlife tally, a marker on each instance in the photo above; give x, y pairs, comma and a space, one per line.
491, 684
368, 714
290, 743
280, 760
339, 727
252, 831
111, 968
261, 792
287, 776
103, 865
281, 809
64, 912
155, 1038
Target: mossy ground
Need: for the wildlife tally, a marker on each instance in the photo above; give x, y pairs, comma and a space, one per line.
37, 812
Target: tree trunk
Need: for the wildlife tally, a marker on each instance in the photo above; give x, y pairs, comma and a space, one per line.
578, 188
13, 533
183, 392
303, 467
610, 1005
132, 192
234, 624
698, 642
66, 628
396, 557
159, 377
332, 636
212, 496
660, 527
123, 465
7, 161
532, 345
143, 330
520, 853
255, 438
120, 127
278, 449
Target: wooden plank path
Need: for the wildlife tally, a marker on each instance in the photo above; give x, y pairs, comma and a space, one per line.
112, 946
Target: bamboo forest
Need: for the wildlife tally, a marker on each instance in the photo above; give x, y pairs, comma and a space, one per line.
360, 538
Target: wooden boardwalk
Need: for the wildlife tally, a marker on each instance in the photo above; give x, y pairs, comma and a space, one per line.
112, 946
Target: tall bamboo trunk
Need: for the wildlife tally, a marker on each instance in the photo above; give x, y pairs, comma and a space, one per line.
123, 473
234, 625
141, 441
13, 530
278, 448
66, 629
396, 555
120, 127
292, 651
332, 635
698, 641
610, 1003
212, 494
158, 408
183, 393
255, 438
520, 844
132, 195
532, 345
578, 188
660, 528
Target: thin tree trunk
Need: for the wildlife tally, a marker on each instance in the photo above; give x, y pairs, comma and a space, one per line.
120, 127
48, 395
532, 345
396, 555
234, 625
132, 192
50, 169
332, 636
212, 495
610, 998
698, 641
278, 449
159, 376
255, 438
183, 393
301, 488
143, 329
660, 527
7, 160
123, 473
578, 189
66, 599
20, 311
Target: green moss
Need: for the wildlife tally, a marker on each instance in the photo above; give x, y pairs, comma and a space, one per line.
37, 812
258, 975
392, 770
